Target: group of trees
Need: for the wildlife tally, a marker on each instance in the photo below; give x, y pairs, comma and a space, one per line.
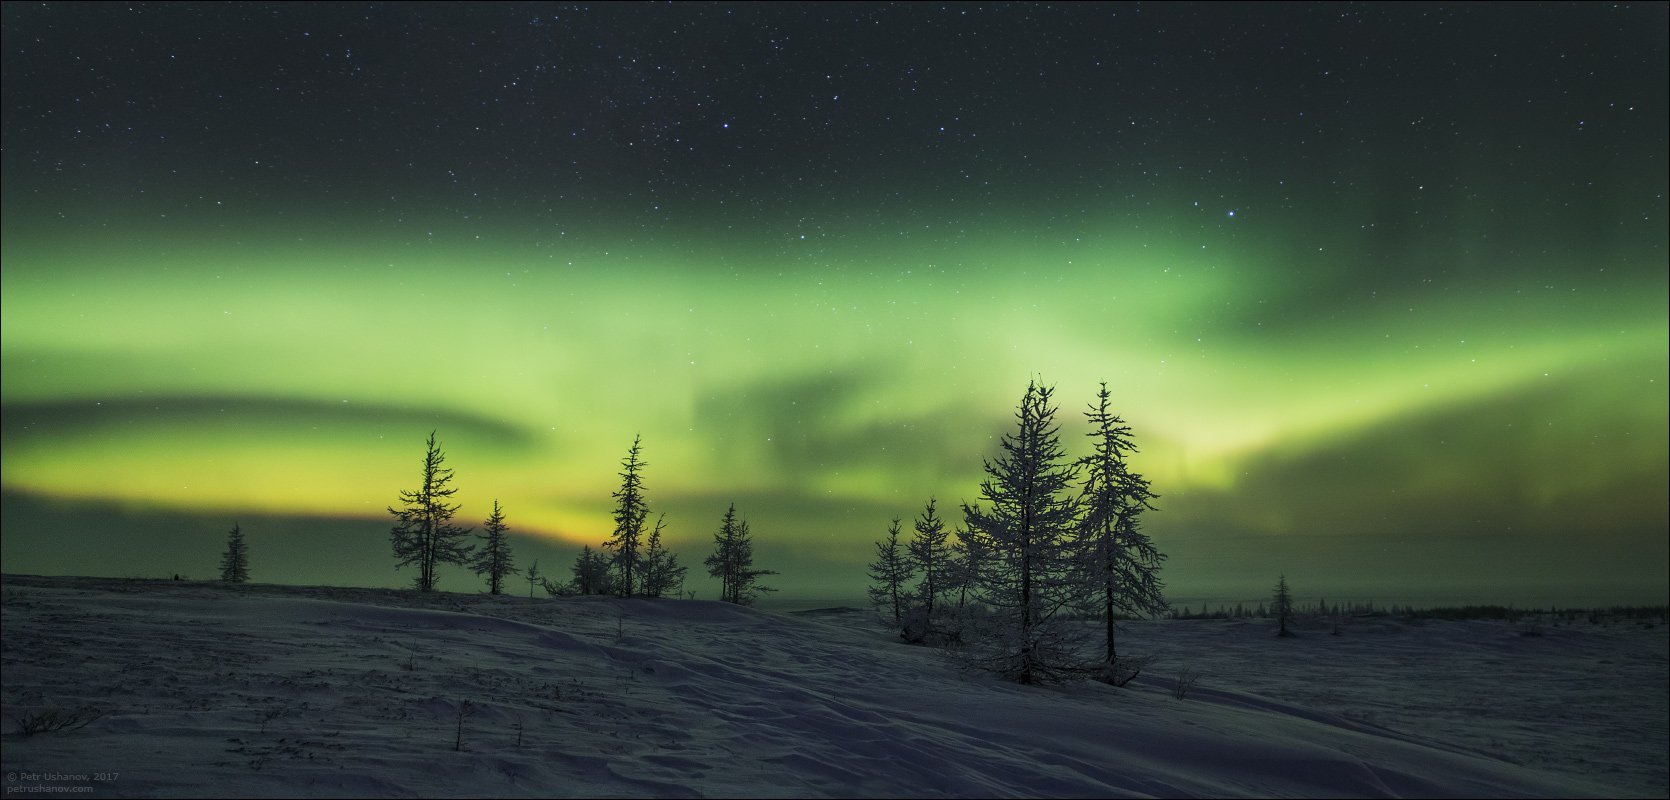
931, 609
732, 562
1052, 541
635, 565
634, 562
424, 535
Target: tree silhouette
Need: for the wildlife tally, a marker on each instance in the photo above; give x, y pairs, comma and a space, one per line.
890, 572
423, 532
493, 559
1121, 565
1026, 528
591, 572
732, 562
234, 563
662, 572
968, 564
533, 577
930, 552
630, 512
1281, 605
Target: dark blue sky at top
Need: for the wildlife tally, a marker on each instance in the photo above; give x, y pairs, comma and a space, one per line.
757, 112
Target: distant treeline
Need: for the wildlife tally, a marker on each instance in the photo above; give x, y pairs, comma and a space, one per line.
1323, 610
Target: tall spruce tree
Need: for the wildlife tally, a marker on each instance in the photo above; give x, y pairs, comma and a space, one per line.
889, 574
1281, 605
732, 562
234, 563
631, 511
423, 533
1120, 563
493, 558
1026, 526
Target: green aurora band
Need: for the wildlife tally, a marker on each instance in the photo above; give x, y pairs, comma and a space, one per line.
827, 387
1382, 291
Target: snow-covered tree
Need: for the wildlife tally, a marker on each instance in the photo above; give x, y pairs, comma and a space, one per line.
732, 562
494, 559
1281, 605
1026, 525
968, 564
423, 532
1119, 562
662, 572
889, 575
930, 556
234, 563
631, 511
930, 553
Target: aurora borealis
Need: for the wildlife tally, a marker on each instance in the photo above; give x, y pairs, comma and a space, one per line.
1382, 290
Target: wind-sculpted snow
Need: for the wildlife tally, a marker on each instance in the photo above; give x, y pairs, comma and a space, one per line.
294, 691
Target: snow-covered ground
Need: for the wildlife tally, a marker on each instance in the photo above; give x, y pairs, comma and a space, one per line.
269, 691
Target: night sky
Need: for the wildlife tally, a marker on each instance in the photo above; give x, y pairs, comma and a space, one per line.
1381, 289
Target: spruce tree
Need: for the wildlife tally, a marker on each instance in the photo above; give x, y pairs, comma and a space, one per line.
423, 533
1026, 527
631, 510
533, 577
930, 556
591, 572
890, 573
1120, 564
968, 564
662, 572
1281, 605
722, 562
493, 559
234, 563
732, 562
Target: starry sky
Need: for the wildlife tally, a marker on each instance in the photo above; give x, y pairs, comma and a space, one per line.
1381, 289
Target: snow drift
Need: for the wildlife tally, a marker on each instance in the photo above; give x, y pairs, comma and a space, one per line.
265, 691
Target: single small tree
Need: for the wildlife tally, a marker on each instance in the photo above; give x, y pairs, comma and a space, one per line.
1120, 565
1026, 528
721, 563
662, 572
732, 562
234, 563
533, 577
1281, 606
890, 573
493, 559
930, 553
423, 533
631, 510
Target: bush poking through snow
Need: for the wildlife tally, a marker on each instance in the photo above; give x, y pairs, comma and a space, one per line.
271, 714
57, 719
1123, 671
465, 709
1186, 679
